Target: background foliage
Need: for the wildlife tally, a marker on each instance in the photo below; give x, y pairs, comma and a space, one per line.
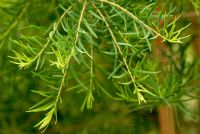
97, 66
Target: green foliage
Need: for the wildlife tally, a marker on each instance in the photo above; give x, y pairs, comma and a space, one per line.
92, 47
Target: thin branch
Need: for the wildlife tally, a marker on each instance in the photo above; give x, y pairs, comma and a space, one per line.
79, 22
72, 51
61, 86
52, 33
132, 16
121, 53
138, 20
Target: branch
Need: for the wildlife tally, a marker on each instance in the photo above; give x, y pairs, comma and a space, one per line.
140, 97
169, 38
79, 22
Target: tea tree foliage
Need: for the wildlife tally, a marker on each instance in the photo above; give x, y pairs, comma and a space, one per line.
68, 54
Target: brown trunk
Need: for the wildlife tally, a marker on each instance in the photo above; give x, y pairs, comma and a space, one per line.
196, 45
166, 120
165, 114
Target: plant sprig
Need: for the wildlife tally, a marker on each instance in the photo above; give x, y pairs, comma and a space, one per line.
103, 28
